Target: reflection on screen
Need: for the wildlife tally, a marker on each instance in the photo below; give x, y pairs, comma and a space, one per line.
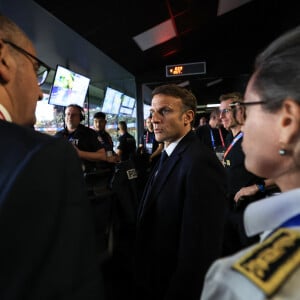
68, 88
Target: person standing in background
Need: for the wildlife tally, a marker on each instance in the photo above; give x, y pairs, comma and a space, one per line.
83, 138
232, 118
126, 148
269, 269
213, 134
181, 214
202, 121
48, 244
103, 136
105, 140
148, 154
148, 144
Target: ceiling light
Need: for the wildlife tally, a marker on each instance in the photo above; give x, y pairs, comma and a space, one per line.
156, 35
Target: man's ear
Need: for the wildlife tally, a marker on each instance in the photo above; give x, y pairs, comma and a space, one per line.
6, 61
189, 116
289, 121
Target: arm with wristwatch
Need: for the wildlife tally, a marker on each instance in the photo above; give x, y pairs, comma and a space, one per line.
255, 188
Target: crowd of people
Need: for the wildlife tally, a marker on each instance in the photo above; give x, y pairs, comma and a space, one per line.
204, 222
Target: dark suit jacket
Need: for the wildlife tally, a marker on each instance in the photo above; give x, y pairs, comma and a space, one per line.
179, 230
47, 237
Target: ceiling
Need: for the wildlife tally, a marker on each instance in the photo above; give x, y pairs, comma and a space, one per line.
227, 41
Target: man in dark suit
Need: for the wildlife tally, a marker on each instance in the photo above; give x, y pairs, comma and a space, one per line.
180, 218
47, 236
213, 134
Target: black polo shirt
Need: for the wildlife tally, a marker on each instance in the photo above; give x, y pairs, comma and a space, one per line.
85, 139
237, 174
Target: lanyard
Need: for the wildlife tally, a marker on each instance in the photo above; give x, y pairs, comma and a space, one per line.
232, 144
221, 136
147, 136
212, 139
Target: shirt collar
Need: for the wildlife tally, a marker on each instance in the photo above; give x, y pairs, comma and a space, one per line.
172, 146
5, 113
270, 213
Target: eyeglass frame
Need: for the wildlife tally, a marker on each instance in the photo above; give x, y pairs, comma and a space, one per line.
40, 63
245, 104
235, 104
224, 111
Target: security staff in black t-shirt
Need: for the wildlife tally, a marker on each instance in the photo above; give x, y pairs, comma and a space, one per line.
126, 148
103, 136
83, 138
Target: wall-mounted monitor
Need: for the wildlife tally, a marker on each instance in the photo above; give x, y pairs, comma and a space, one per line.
125, 111
128, 101
127, 105
68, 87
112, 101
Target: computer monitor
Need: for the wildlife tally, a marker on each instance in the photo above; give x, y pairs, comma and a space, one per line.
68, 87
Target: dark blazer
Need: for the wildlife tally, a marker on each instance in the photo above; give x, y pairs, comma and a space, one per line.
47, 236
179, 229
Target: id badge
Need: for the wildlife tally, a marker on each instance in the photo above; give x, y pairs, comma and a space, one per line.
149, 147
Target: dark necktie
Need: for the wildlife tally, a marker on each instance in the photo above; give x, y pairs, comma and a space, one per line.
162, 159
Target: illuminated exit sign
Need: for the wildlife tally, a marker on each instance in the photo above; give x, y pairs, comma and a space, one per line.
186, 69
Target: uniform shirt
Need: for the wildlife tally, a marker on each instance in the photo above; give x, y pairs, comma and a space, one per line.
85, 139
261, 217
105, 139
127, 145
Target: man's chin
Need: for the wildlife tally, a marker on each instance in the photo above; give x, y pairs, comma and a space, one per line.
158, 137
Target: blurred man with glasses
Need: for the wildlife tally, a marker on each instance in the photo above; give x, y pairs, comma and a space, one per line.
232, 115
35, 70
47, 236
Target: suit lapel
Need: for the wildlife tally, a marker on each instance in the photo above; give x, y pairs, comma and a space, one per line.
151, 192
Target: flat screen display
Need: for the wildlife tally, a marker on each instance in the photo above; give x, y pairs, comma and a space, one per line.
68, 87
127, 105
128, 101
112, 101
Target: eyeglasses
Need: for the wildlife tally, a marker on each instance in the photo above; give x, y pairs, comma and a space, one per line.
42, 69
224, 111
245, 104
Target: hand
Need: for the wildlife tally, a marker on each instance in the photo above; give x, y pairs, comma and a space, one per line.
113, 158
246, 191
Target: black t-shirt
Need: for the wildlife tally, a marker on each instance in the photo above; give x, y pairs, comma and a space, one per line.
105, 140
237, 174
127, 144
85, 139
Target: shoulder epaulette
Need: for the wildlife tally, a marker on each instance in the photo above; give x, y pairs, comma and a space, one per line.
270, 263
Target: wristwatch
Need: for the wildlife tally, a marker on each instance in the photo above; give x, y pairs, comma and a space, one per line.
261, 187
